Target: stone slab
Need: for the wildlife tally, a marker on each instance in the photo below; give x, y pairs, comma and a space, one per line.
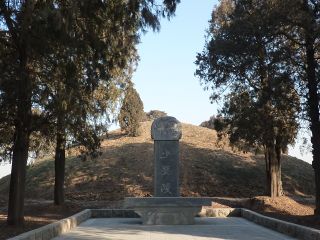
205, 228
113, 213
167, 210
168, 215
133, 202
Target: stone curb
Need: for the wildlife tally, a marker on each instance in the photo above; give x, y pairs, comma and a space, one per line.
54, 229
290, 229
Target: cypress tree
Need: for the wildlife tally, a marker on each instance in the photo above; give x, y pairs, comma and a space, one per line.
98, 34
131, 112
245, 55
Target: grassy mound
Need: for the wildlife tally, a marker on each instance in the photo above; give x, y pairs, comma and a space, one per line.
125, 168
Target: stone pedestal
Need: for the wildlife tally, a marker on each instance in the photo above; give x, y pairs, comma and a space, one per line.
168, 215
167, 210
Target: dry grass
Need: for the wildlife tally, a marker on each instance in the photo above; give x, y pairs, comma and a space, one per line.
125, 168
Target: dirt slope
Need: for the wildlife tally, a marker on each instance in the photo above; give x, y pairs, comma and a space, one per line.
125, 168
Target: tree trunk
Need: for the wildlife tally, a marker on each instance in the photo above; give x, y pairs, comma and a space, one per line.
273, 172
20, 148
59, 163
18, 176
268, 175
278, 151
313, 105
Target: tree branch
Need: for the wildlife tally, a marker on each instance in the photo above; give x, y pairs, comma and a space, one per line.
9, 22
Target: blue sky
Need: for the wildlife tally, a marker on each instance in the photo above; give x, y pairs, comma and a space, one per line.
165, 76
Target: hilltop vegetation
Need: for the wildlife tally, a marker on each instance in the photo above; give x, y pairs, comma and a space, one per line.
125, 168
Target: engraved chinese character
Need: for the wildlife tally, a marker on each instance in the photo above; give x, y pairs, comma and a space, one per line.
165, 188
165, 170
165, 154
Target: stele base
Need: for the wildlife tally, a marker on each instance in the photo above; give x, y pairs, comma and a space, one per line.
167, 210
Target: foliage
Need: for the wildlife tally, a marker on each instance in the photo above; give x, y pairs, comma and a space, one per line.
215, 122
131, 112
300, 26
245, 56
55, 56
209, 123
71, 47
154, 114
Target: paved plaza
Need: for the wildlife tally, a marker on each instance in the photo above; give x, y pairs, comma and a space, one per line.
205, 228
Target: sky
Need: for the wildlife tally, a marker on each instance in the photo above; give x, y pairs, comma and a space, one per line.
165, 75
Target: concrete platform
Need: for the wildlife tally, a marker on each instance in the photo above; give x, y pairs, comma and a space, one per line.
206, 228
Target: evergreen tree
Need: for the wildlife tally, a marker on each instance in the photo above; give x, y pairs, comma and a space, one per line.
299, 24
244, 55
154, 114
96, 35
210, 123
131, 112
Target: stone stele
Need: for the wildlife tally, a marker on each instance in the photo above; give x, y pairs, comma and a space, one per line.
166, 132
166, 207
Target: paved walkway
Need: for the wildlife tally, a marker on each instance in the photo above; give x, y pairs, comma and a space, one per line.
206, 228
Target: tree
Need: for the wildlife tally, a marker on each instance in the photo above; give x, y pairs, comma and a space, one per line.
299, 25
131, 112
245, 56
210, 123
76, 104
246, 121
81, 117
154, 114
20, 49
32, 32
